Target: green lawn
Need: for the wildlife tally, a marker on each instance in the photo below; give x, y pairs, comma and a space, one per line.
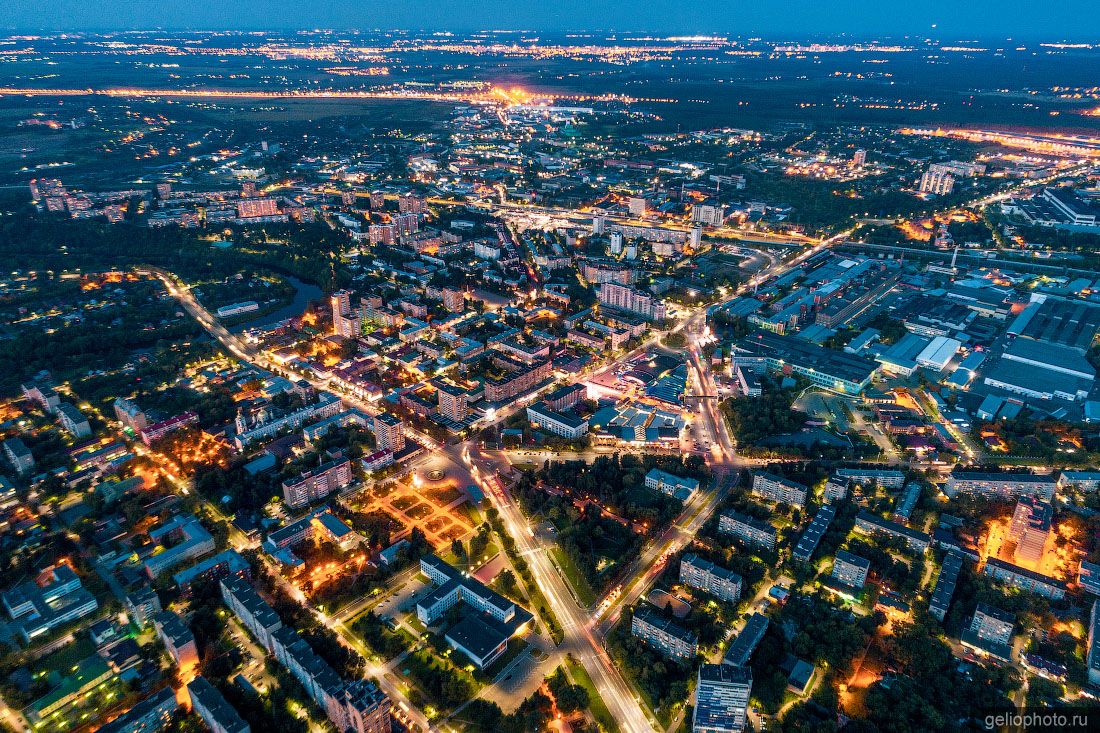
595, 702
584, 591
67, 657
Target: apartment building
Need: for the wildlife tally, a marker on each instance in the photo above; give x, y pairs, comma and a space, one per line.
721, 699
850, 570
704, 575
177, 639
778, 489
212, 707
1004, 485
748, 529
317, 483
663, 635
873, 524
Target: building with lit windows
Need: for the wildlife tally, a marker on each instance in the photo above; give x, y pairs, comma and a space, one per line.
778, 489
695, 572
721, 698
662, 634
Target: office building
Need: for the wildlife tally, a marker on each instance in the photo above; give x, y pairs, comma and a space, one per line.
53, 599
483, 634
663, 635
563, 424
479, 636
850, 570
695, 572
834, 370
675, 486
721, 698
749, 530
453, 587
778, 489
182, 538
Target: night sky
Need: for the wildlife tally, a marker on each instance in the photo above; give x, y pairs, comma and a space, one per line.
952, 19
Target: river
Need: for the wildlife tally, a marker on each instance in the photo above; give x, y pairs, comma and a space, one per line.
303, 293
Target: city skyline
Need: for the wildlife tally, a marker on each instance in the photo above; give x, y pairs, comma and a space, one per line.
985, 19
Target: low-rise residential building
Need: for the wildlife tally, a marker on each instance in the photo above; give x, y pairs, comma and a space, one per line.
664, 635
